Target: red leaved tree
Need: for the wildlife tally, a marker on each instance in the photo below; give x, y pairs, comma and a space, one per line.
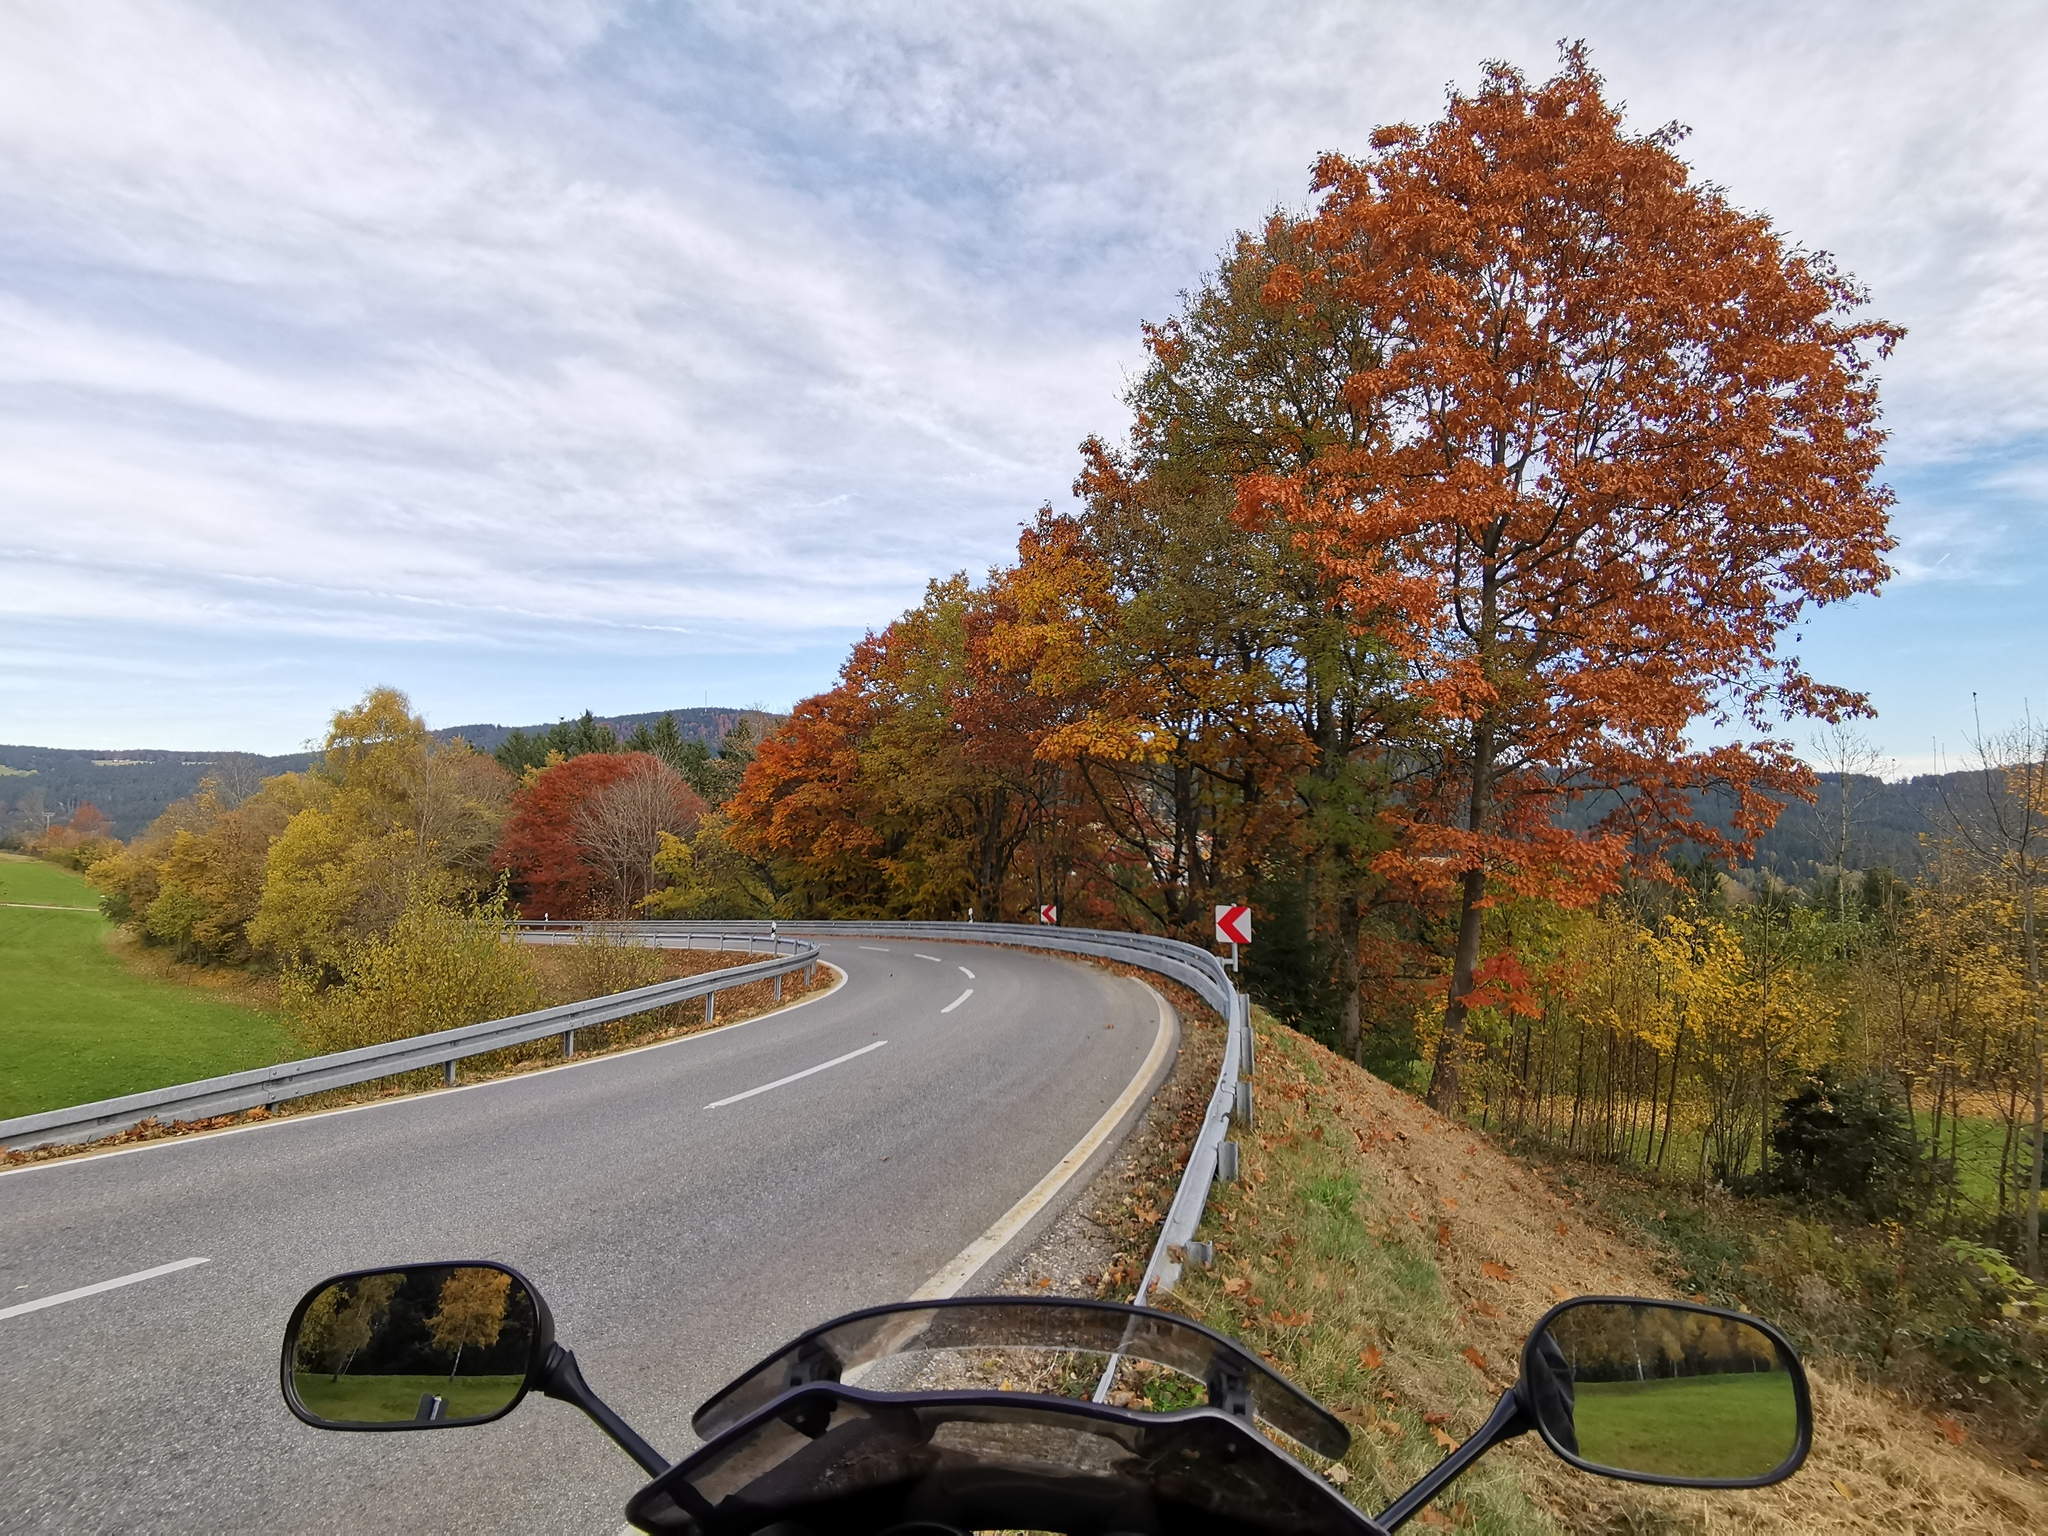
582, 835
1616, 439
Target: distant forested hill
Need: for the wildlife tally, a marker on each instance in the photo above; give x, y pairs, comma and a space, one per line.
1886, 823
706, 725
134, 784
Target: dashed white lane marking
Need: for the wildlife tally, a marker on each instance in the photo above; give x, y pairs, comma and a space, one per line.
874, 947
93, 1290
794, 1076
958, 1001
935, 960
967, 973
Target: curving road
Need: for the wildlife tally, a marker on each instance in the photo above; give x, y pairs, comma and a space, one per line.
684, 1208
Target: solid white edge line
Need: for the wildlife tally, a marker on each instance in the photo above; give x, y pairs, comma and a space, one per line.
93, 1290
78, 1158
958, 1001
967, 973
948, 1281
794, 1076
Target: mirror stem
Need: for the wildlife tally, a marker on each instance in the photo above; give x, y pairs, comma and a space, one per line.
562, 1381
1506, 1421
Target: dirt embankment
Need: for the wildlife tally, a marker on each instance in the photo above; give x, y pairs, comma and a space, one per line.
1877, 1465
1392, 1261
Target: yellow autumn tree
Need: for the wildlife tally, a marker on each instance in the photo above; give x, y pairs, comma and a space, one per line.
391, 817
471, 1311
439, 965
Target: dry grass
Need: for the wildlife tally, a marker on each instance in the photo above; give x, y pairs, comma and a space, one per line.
1392, 1262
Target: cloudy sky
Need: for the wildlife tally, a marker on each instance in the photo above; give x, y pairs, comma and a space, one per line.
534, 356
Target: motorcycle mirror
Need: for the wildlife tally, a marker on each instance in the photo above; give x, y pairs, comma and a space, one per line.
426, 1346
1667, 1392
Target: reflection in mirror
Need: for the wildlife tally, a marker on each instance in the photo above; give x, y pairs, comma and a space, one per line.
439, 1344
1665, 1391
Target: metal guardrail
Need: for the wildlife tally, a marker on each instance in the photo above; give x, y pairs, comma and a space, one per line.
264, 1087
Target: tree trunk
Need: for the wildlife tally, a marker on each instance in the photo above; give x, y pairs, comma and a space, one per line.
1349, 1033
2034, 1042
1444, 1083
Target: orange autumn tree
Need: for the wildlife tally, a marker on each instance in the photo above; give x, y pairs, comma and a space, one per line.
1140, 631
912, 787
1618, 438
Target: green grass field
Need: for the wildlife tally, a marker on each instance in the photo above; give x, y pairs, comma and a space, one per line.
390, 1399
77, 1025
1697, 1426
1976, 1143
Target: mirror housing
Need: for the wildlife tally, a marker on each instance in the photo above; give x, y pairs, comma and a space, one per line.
1666, 1392
412, 1325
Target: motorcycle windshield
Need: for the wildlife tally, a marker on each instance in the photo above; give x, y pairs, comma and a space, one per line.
858, 1463
1047, 1345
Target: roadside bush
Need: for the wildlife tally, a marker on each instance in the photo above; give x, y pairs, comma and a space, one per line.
1848, 1143
440, 965
603, 961
1948, 1322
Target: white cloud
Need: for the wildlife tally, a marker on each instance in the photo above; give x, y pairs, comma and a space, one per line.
737, 322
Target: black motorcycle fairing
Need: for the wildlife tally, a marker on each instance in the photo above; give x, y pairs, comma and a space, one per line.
840, 1350
842, 1461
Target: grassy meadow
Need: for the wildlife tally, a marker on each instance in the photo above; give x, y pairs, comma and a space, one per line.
77, 1024
395, 1399
1731, 1426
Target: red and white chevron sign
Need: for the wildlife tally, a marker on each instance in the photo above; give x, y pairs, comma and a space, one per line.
1233, 925
1049, 915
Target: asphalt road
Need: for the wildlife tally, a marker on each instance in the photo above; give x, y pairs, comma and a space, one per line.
676, 1243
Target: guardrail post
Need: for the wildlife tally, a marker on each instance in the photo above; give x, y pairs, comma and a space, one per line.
1242, 1110
1226, 1162
778, 989
448, 1073
710, 1006
568, 1042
